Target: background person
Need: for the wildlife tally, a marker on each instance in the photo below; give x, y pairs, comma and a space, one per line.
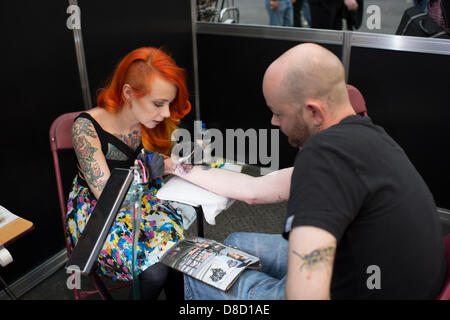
301, 8
280, 12
422, 4
328, 14
439, 11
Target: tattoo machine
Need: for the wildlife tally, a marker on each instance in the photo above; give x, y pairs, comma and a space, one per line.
153, 163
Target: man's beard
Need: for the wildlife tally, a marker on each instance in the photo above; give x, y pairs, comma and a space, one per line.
301, 133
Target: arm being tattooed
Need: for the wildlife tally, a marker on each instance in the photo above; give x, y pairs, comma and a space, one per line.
91, 161
310, 263
270, 188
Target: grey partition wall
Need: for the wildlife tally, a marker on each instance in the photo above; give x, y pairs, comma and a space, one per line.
49, 70
232, 60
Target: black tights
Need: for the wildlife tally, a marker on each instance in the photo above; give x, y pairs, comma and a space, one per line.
158, 277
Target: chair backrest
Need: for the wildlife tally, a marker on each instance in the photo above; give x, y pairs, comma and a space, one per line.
357, 100
60, 139
445, 292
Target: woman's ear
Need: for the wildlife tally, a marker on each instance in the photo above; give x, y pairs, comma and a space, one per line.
127, 92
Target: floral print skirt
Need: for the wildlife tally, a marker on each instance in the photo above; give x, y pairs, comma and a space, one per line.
161, 228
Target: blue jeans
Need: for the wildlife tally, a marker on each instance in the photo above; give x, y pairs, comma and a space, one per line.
283, 15
265, 284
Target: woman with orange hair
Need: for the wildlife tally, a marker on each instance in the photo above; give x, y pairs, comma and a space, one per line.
140, 107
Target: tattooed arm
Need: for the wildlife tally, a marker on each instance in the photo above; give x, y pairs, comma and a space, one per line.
310, 263
91, 161
270, 188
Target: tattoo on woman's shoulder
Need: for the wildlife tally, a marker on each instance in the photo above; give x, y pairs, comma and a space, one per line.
83, 126
88, 165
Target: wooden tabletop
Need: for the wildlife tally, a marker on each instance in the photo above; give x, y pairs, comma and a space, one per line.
14, 230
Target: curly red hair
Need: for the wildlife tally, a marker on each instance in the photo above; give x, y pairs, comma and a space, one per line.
138, 69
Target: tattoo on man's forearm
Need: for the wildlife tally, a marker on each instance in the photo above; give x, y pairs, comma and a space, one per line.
90, 168
319, 257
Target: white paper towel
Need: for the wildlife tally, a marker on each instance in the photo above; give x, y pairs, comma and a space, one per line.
177, 189
5, 257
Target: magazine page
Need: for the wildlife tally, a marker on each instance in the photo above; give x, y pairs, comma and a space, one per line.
209, 261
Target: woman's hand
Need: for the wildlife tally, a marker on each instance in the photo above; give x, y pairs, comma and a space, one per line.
169, 165
173, 166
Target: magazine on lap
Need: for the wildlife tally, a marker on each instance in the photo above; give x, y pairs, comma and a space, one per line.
209, 261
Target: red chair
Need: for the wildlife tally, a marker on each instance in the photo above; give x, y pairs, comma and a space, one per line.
445, 293
357, 100
60, 139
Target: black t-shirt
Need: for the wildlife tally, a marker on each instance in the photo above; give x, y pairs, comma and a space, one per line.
355, 182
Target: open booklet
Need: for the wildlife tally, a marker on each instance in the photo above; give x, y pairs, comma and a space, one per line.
209, 261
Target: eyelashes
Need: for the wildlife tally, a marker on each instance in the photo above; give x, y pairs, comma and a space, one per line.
159, 104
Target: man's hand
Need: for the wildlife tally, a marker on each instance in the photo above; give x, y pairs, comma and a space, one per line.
274, 4
352, 5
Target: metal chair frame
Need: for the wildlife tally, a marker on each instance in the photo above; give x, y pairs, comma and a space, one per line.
60, 139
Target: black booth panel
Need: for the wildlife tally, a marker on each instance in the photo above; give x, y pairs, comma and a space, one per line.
39, 80
231, 70
408, 94
112, 29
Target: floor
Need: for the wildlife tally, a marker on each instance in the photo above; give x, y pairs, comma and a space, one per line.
239, 217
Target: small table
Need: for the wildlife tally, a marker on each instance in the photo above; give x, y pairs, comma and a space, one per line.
9, 233
14, 230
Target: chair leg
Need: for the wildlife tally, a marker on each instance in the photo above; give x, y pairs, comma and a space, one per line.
100, 286
200, 214
76, 294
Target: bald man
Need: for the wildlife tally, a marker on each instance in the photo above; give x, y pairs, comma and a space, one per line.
361, 223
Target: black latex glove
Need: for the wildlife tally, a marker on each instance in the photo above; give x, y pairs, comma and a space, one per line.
153, 161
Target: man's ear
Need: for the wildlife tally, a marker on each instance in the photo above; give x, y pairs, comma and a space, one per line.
127, 92
317, 110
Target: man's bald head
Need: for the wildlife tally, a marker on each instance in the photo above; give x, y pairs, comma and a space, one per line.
308, 71
306, 92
